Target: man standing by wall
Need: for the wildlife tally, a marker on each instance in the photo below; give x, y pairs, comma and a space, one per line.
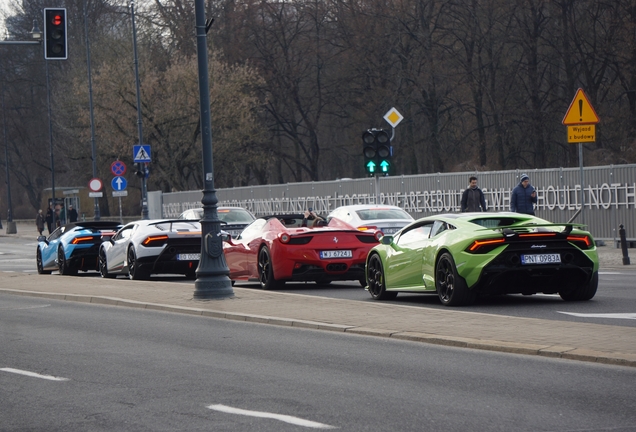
473, 198
523, 197
49, 218
72, 214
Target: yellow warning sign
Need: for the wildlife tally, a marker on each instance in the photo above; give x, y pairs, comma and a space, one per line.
580, 111
582, 133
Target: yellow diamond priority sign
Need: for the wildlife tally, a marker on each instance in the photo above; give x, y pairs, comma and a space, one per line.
393, 117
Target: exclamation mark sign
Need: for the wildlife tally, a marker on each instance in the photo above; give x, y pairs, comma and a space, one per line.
581, 109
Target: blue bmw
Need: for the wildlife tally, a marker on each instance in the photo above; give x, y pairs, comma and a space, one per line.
73, 247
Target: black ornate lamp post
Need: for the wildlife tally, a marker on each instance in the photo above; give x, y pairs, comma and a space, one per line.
212, 274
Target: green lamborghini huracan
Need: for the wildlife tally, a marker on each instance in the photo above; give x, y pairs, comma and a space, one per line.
465, 255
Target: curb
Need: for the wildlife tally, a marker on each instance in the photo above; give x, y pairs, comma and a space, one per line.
558, 352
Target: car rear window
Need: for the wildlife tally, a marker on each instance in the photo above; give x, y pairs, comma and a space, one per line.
383, 213
494, 222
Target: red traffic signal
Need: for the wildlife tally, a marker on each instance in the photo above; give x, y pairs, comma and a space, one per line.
55, 42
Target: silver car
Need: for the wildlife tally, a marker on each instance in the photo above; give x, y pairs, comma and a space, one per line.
386, 218
146, 247
233, 219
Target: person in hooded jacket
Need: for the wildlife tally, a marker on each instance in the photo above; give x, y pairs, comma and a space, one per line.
523, 197
473, 198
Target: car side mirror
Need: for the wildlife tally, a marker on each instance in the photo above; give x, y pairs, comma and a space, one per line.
386, 240
42, 239
226, 237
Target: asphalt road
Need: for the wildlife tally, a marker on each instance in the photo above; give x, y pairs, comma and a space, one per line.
614, 303
71, 366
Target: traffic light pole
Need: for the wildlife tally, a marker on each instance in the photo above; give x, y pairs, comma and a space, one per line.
48, 102
90, 105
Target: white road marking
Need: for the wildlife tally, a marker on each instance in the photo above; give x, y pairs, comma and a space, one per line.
33, 374
602, 315
262, 414
609, 273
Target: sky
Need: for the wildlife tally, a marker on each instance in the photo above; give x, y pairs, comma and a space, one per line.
3, 7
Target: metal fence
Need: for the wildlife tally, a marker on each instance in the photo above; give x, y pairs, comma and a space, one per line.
609, 195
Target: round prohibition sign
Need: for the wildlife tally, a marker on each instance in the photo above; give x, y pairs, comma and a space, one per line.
118, 168
95, 185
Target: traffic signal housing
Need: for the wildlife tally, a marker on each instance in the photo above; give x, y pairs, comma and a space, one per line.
55, 43
377, 151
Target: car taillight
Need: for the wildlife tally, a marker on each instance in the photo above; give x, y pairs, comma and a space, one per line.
483, 246
378, 235
284, 238
367, 228
78, 240
154, 240
582, 241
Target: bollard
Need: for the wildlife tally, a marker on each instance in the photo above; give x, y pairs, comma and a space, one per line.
621, 231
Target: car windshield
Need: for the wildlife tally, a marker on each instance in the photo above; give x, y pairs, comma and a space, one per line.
237, 215
383, 213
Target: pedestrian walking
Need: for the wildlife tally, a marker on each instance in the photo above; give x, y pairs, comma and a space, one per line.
39, 222
72, 214
473, 199
523, 197
49, 218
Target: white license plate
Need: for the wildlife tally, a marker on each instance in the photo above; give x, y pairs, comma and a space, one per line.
388, 231
336, 254
541, 259
188, 257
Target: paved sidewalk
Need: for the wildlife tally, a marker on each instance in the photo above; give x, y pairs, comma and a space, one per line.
452, 326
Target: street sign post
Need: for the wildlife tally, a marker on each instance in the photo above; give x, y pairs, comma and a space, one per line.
118, 183
581, 120
118, 168
141, 153
95, 185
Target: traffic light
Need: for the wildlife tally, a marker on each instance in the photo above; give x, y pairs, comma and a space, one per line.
55, 44
377, 151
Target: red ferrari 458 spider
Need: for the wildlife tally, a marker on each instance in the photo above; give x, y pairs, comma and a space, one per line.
275, 249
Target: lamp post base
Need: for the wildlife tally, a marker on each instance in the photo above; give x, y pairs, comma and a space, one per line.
11, 228
213, 288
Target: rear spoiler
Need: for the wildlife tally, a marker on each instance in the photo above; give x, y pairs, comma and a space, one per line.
568, 227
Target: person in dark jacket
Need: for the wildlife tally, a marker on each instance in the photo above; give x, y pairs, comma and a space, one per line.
473, 198
72, 214
39, 222
49, 218
523, 197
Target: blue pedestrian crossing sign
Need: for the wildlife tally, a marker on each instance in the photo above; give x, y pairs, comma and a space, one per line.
141, 153
119, 183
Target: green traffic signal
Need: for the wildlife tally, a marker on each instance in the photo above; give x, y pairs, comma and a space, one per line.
384, 166
371, 167
376, 151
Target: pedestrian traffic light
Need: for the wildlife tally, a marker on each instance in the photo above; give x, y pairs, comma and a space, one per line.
377, 151
55, 44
